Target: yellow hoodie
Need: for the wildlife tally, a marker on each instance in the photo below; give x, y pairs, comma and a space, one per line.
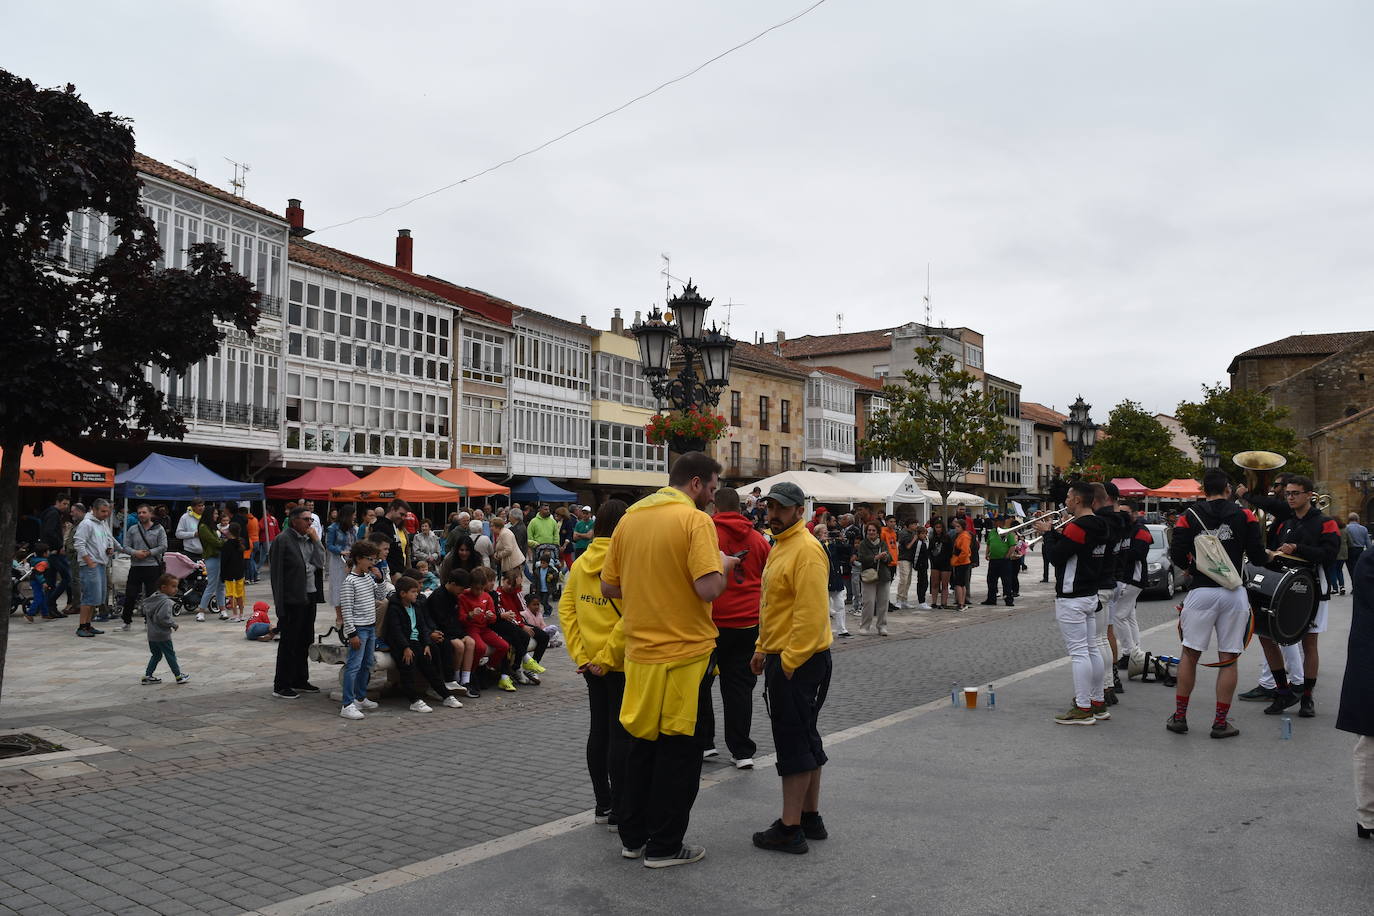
794, 615
591, 626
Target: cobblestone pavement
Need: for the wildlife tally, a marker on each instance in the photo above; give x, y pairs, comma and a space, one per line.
218, 799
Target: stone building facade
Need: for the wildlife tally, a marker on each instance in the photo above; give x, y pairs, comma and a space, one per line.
1320, 378
764, 406
1341, 451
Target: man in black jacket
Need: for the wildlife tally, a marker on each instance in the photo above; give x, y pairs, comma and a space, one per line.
1132, 562
1077, 556
1311, 536
295, 555
1357, 692
1104, 507
1277, 511
50, 532
389, 525
1210, 607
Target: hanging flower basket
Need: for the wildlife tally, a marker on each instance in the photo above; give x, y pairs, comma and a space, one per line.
687, 431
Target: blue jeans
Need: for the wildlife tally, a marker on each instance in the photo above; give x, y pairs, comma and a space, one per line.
358, 668
93, 583
214, 587
159, 651
257, 631
250, 569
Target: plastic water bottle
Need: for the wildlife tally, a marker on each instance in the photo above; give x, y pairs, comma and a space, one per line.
954, 692
1286, 728
992, 698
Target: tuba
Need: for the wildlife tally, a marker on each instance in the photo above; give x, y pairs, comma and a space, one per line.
1259, 470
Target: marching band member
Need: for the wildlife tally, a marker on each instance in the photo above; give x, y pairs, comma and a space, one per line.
1077, 559
1132, 560
1104, 507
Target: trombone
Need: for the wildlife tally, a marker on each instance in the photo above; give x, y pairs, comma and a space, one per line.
1057, 518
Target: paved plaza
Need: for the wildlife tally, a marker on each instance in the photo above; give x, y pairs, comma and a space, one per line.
215, 798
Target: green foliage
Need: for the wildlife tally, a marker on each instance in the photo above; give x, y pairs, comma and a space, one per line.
1137, 445
941, 423
1242, 421
76, 345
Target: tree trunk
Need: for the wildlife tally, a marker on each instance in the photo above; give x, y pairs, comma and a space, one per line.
9, 501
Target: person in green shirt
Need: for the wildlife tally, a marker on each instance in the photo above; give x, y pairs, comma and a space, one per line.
582, 531
543, 528
1002, 562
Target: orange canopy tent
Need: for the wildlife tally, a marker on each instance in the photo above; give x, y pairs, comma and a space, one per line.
476, 484
57, 467
313, 484
1178, 488
391, 483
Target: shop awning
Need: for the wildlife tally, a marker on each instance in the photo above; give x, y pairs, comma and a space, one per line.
900, 488
57, 467
181, 479
824, 488
313, 484
1129, 487
394, 483
1179, 488
475, 483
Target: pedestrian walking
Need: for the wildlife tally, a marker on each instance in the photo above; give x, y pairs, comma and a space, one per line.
794, 658
52, 531
835, 547
908, 540
158, 613
292, 561
665, 568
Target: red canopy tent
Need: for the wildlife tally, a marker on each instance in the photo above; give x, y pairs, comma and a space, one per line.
1178, 488
390, 483
313, 484
476, 484
57, 467
1129, 487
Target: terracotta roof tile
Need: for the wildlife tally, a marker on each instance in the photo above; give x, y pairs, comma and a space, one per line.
760, 359
823, 344
1341, 422
484, 304
325, 258
150, 166
1302, 345
1039, 413
866, 382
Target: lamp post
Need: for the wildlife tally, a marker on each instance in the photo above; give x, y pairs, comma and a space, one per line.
684, 323
1363, 480
1080, 430
1210, 459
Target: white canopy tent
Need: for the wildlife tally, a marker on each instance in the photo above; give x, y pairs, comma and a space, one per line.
824, 488
899, 487
956, 498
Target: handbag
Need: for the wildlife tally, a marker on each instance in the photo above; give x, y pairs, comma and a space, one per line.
869, 575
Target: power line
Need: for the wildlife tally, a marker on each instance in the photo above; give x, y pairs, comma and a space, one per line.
585, 124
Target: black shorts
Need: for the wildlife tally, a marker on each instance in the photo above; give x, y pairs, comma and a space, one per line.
794, 704
961, 575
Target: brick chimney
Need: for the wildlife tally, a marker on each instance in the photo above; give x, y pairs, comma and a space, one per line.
617, 323
782, 339
405, 250
295, 216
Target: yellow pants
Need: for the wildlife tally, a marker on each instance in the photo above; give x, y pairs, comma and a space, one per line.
661, 698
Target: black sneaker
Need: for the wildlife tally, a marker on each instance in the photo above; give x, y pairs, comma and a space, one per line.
1259, 692
1282, 701
684, 856
1224, 730
990, 601
1306, 708
85, 631
306, 688
151, 680
472, 691
1176, 725
285, 694
782, 839
813, 826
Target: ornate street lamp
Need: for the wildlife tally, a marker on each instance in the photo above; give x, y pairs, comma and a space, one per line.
1210, 459
684, 322
1080, 430
1363, 480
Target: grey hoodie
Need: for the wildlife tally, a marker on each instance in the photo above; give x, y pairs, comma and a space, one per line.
157, 611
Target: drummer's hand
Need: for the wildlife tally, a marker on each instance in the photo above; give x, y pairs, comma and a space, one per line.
1288, 549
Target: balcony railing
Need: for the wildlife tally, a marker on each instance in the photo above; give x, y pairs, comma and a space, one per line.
238, 414
266, 417
209, 411
270, 305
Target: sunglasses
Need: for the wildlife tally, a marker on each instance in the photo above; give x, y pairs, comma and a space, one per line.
1292, 493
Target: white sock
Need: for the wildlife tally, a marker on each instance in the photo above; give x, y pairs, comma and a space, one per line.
463, 677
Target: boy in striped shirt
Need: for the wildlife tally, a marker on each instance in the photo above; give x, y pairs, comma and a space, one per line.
358, 597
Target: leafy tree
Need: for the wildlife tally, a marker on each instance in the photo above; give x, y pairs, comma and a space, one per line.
1241, 421
1137, 445
76, 344
941, 423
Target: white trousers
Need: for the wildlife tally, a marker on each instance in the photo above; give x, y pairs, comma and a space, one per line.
837, 624
1078, 623
1122, 617
1292, 663
1364, 781
1104, 645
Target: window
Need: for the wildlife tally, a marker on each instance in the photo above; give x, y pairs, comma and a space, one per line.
973, 356
735, 456
763, 412
483, 355
556, 430
785, 420
619, 379
763, 460
786, 454
538, 354
618, 446
735, 410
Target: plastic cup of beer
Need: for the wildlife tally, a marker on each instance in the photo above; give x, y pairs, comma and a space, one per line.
970, 697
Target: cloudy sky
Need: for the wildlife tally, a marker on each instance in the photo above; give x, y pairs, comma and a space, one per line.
1121, 196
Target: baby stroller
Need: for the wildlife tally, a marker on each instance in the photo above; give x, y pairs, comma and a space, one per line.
20, 571
193, 580
554, 574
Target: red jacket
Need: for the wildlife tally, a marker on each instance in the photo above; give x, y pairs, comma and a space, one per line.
738, 605
477, 613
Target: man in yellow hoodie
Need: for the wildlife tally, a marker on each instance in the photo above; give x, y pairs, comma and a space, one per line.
665, 568
794, 658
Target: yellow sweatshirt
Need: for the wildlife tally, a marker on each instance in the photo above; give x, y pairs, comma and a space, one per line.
591, 627
794, 615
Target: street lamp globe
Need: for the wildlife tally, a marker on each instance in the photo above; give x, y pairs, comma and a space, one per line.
1210, 459
690, 311
716, 355
1073, 429
655, 338
1089, 435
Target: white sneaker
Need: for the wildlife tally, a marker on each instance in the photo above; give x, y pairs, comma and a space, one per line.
452, 685
744, 763
923, 606
365, 703
223, 616
866, 631
709, 753
452, 703
350, 712
421, 706
200, 617
882, 631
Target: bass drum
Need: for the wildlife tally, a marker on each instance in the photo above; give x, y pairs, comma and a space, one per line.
1282, 601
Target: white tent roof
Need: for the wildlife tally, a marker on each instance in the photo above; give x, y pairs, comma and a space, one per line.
956, 498
899, 487
824, 487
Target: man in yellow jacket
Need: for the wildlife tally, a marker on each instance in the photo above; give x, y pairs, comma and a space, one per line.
665, 568
794, 658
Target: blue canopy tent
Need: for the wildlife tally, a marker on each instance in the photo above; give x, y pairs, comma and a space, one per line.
540, 490
180, 480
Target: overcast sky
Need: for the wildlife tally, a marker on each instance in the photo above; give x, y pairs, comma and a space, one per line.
1120, 196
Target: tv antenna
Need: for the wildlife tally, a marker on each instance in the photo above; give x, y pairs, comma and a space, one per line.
240, 179
839, 322
927, 296
730, 312
667, 274
188, 166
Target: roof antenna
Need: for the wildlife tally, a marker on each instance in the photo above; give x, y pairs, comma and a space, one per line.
240, 179
188, 166
667, 274
730, 312
839, 322
927, 297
